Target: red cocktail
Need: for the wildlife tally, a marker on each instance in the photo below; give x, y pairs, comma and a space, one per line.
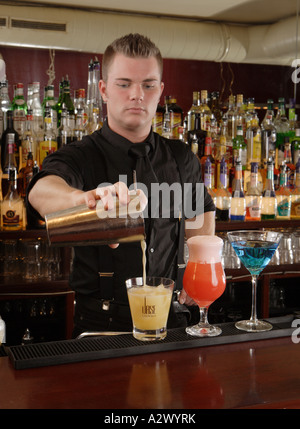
204, 279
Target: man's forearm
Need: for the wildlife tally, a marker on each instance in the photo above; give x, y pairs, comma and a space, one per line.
201, 225
52, 193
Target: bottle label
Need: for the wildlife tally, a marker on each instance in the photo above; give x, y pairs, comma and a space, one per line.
243, 154
11, 220
283, 208
157, 122
20, 101
237, 209
47, 147
257, 147
295, 209
175, 123
253, 209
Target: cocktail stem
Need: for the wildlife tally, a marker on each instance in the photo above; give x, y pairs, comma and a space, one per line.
203, 314
253, 317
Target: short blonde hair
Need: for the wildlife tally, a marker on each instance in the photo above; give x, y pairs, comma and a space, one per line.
133, 46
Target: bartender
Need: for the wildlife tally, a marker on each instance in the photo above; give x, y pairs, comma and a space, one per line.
131, 87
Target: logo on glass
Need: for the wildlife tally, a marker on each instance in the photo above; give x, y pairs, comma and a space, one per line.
148, 310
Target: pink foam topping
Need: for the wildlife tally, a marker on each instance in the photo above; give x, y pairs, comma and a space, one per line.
205, 248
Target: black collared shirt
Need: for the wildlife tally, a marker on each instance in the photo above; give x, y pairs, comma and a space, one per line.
103, 158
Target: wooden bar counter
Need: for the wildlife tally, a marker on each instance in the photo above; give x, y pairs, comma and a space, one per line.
251, 374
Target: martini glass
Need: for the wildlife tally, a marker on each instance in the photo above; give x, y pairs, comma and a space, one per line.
255, 250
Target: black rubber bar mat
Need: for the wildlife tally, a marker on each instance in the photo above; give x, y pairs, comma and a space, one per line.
104, 347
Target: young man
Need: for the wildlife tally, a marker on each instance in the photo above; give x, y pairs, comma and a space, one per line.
131, 88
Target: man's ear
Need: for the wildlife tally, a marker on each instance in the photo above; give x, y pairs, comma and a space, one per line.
102, 89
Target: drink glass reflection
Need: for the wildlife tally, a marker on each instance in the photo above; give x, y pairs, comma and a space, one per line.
204, 279
255, 250
149, 306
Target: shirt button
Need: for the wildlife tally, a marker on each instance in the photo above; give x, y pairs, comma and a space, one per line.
151, 250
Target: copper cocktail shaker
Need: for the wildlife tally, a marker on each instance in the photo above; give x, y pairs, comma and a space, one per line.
82, 226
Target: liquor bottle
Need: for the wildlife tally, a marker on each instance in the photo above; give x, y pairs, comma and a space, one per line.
27, 174
64, 99
4, 141
238, 202
37, 110
253, 136
222, 194
167, 131
215, 107
215, 134
79, 130
12, 206
19, 108
268, 135
29, 95
239, 147
283, 195
195, 108
79, 103
269, 201
240, 114
58, 105
292, 116
230, 115
200, 134
222, 152
50, 101
49, 142
94, 124
28, 140
208, 154
250, 112
63, 133
208, 179
253, 195
290, 167
89, 98
205, 112
182, 132
10, 160
158, 120
282, 126
5, 105
195, 147
97, 101
295, 198
295, 145
176, 115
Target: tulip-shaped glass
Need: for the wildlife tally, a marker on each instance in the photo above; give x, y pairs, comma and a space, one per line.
204, 279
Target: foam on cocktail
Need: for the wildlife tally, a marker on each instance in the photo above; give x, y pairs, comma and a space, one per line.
205, 249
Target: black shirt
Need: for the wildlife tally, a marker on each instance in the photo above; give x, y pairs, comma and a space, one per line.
103, 158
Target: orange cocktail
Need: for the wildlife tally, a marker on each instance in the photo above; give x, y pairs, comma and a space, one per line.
204, 279
204, 282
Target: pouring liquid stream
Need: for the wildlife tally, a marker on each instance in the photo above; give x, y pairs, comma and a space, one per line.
143, 246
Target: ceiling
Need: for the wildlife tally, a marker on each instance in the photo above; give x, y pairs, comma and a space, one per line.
230, 11
249, 31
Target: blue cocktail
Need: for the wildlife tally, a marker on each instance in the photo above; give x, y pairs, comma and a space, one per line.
255, 250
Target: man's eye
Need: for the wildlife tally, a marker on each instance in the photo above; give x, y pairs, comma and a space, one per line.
123, 85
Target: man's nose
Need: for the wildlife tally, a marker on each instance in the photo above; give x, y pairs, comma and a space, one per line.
137, 93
